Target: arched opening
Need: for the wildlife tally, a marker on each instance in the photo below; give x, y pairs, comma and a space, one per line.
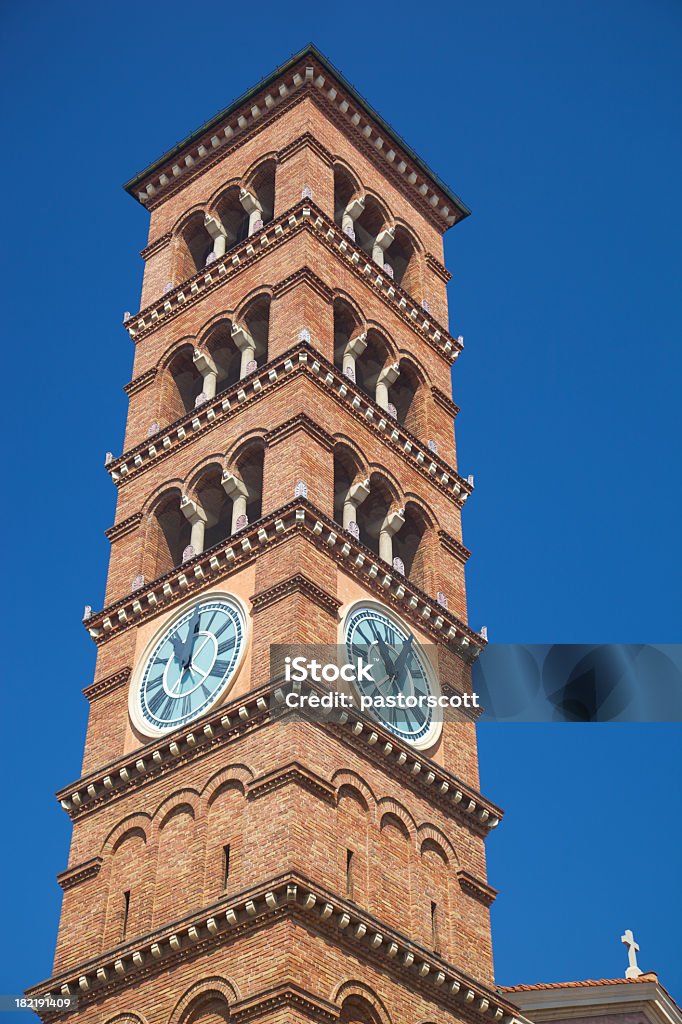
404, 260
212, 1010
370, 363
345, 187
410, 547
216, 505
346, 327
406, 397
256, 319
346, 470
224, 354
185, 384
249, 469
371, 514
262, 186
197, 246
232, 216
171, 534
370, 230
356, 1010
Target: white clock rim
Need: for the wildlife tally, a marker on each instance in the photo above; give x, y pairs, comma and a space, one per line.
434, 733
140, 724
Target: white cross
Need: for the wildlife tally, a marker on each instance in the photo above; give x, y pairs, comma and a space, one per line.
628, 939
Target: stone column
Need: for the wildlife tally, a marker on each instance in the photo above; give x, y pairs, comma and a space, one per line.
350, 215
390, 526
208, 370
217, 233
381, 244
353, 350
252, 207
386, 377
357, 493
235, 489
193, 511
246, 345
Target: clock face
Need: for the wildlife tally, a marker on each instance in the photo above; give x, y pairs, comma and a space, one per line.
400, 672
190, 665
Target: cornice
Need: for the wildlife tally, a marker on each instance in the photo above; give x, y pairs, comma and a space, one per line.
138, 383
305, 141
81, 873
302, 358
296, 774
297, 584
454, 547
292, 896
474, 887
444, 401
304, 423
106, 685
309, 75
284, 997
156, 246
301, 276
118, 530
438, 268
301, 517
304, 216
255, 710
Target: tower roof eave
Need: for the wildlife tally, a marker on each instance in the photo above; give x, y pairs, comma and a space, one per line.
438, 187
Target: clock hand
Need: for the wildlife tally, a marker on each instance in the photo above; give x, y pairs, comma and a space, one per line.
189, 642
390, 667
403, 656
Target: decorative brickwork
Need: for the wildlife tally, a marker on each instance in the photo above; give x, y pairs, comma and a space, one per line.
289, 452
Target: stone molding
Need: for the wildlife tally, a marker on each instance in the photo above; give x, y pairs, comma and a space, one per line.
306, 140
444, 401
474, 887
297, 584
103, 686
304, 423
257, 709
138, 383
303, 276
118, 530
72, 877
296, 774
438, 268
157, 245
293, 894
454, 547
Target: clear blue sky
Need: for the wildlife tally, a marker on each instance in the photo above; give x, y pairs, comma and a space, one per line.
559, 125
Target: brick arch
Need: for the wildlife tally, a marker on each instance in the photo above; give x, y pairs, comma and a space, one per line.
423, 508
351, 990
377, 471
256, 166
378, 329
169, 353
342, 441
207, 328
186, 216
404, 355
215, 460
352, 174
354, 781
428, 833
256, 437
387, 805
159, 493
389, 219
168, 807
240, 774
139, 822
126, 1018
200, 992
215, 197
338, 295
259, 292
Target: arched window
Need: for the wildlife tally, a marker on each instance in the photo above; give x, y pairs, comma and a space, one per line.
370, 363
406, 396
356, 1010
232, 216
213, 1010
345, 188
177, 877
371, 230
243, 481
346, 328
216, 506
346, 470
256, 318
410, 547
170, 535
197, 244
126, 898
184, 384
262, 186
404, 260
372, 515
224, 354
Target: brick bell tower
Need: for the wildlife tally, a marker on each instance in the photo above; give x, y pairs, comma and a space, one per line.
289, 463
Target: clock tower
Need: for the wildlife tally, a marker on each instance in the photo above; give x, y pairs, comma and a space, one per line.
288, 476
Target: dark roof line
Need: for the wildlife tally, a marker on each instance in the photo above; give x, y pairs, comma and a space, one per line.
309, 50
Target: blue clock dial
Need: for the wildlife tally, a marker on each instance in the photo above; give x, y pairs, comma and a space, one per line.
190, 666
399, 670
